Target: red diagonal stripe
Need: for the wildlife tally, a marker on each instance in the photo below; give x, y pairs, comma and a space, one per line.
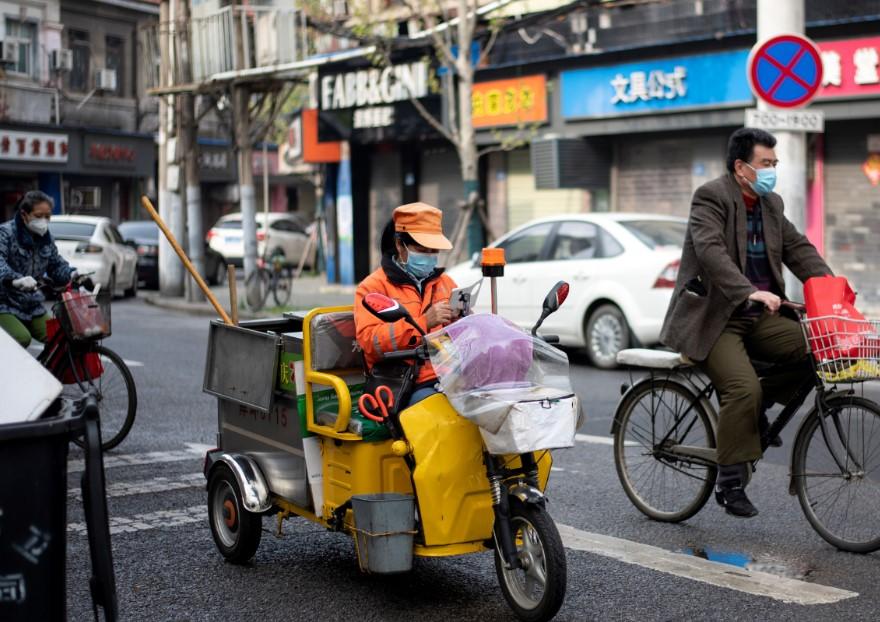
785, 71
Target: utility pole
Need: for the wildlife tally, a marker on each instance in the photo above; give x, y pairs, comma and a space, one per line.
776, 17
189, 147
170, 270
246, 195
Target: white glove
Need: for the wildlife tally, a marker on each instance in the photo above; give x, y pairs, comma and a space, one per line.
25, 284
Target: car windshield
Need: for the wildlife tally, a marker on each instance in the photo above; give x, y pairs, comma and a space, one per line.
146, 230
657, 233
233, 224
67, 229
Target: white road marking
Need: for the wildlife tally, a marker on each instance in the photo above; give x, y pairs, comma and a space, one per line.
600, 440
151, 457
148, 486
151, 520
714, 573
132, 363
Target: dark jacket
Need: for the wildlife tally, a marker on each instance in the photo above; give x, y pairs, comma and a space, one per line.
23, 254
711, 279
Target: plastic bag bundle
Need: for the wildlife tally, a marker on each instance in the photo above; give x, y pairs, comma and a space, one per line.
515, 387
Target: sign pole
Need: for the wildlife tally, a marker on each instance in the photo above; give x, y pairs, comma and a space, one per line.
777, 17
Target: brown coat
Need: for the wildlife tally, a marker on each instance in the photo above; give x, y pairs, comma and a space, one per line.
713, 262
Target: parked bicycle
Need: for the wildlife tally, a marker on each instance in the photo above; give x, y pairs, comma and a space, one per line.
74, 354
665, 425
271, 276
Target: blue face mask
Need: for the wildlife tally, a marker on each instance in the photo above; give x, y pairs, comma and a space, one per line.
765, 180
420, 265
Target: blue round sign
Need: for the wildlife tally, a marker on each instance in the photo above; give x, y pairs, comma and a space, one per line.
785, 71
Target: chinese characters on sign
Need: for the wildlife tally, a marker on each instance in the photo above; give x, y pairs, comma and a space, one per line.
643, 86
376, 116
510, 102
850, 67
32, 147
106, 152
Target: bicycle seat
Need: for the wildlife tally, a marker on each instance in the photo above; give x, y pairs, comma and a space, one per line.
653, 359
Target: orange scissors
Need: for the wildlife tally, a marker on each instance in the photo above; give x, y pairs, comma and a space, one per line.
372, 403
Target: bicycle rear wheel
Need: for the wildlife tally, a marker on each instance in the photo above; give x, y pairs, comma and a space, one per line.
651, 419
283, 286
256, 287
114, 387
841, 504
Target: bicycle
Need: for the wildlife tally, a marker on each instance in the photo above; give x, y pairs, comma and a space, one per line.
74, 355
278, 281
664, 435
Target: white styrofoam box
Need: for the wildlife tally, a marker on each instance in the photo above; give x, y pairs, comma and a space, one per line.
28, 389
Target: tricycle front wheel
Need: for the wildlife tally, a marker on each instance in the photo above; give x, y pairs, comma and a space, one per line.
236, 531
534, 591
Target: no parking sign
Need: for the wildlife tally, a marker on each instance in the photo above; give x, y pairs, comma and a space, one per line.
785, 71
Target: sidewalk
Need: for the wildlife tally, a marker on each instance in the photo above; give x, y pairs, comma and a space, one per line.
308, 292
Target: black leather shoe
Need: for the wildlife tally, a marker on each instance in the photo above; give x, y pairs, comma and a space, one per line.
734, 500
763, 426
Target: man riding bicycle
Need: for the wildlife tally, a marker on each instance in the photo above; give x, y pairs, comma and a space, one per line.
725, 307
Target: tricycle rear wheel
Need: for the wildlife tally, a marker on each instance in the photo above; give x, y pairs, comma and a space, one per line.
237, 532
535, 592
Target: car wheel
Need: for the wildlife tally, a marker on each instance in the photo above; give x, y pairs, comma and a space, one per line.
219, 272
607, 333
132, 291
112, 283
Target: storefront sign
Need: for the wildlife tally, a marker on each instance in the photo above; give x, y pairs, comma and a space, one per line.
510, 102
792, 120
216, 163
370, 87
687, 82
33, 147
116, 152
851, 68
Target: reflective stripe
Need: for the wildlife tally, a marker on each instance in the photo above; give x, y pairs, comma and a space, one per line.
393, 338
376, 344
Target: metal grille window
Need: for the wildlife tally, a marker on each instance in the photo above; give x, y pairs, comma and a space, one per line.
25, 35
115, 59
82, 58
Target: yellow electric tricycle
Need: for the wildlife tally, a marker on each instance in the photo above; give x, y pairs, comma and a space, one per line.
422, 481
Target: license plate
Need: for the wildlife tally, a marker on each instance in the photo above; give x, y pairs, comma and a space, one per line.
233, 239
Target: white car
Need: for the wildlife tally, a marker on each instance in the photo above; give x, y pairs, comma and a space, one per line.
93, 245
621, 267
287, 236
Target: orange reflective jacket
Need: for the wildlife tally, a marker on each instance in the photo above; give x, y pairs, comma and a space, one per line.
377, 337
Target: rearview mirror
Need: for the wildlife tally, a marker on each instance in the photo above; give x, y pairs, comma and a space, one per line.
388, 310
556, 297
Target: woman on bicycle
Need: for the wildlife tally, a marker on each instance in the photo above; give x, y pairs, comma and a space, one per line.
27, 253
411, 243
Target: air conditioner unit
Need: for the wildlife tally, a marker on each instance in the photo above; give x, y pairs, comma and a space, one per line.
85, 197
61, 60
9, 52
105, 80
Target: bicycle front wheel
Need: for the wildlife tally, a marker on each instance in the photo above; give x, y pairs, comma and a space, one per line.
114, 387
256, 288
283, 286
653, 418
841, 497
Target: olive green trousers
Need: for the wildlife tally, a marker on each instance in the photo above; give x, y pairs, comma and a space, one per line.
769, 338
22, 330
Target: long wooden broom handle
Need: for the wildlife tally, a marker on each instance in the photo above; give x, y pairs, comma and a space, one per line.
186, 262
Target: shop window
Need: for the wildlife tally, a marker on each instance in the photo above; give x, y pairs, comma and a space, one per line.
115, 59
25, 35
527, 245
79, 43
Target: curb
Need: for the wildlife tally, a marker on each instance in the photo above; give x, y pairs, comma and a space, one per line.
196, 308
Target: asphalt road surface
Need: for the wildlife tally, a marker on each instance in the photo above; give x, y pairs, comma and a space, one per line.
621, 566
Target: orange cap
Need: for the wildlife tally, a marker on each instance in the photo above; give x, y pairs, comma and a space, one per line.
493, 257
424, 223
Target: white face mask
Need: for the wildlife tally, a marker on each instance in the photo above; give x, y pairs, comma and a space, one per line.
38, 225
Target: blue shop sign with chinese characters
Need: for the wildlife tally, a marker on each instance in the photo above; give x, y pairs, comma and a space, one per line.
687, 82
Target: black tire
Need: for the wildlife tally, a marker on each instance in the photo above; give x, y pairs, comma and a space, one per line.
219, 273
237, 532
532, 523
116, 393
283, 287
132, 291
637, 447
256, 287
606, 333
854, 496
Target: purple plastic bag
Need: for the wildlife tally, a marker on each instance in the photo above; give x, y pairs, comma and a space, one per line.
491, 350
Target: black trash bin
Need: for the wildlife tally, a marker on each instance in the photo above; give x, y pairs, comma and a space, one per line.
33, 515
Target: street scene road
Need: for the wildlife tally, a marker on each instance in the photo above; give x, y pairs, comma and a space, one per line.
167, 567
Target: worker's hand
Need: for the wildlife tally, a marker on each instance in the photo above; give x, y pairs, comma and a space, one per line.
25, 284
438, 315
768, 299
